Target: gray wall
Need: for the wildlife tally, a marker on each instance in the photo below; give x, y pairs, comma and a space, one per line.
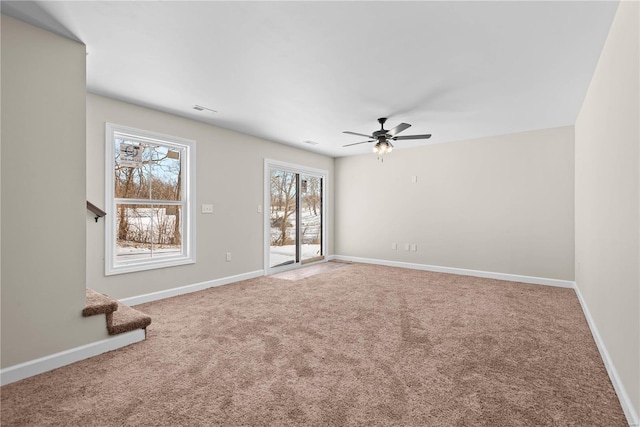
500, 204
230, 175
43, 195
607, 198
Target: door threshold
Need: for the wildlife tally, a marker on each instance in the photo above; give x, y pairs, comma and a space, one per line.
309, 270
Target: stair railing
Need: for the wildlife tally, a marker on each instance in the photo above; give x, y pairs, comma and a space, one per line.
99, 213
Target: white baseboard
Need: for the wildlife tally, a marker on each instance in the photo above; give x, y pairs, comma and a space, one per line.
462, 271
67, 357
625, 400
155, 296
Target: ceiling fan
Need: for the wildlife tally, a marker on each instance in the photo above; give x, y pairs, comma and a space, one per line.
384, 137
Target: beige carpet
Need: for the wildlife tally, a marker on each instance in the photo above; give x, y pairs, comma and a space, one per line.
360, 345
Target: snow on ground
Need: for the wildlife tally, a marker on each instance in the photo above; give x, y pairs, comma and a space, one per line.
310, 224
311, 228
282, 254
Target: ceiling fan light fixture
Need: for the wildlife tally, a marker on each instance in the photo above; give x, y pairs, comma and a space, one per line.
382, 147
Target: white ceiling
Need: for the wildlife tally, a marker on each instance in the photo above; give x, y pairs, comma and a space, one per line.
297, 71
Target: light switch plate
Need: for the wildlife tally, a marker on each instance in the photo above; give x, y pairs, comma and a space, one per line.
207, 209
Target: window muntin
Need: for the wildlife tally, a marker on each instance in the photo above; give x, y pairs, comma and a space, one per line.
149, 190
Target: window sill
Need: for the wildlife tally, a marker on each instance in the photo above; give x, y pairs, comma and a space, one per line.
133, 267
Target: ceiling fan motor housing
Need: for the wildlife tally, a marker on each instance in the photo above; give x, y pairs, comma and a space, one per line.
381, 134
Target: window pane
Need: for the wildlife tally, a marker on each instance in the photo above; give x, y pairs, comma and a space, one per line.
131, 182
165, 173
133, 232
283, 247
311, 216
148, 231
167, 230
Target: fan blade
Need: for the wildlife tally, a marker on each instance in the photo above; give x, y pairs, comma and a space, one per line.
356, 143
396, 130
359, 134
399, 138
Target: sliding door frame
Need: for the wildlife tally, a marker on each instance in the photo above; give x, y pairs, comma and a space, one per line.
269, 165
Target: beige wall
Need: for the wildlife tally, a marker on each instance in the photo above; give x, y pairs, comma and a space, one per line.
501, 204
230, 175
43, 195
607, 198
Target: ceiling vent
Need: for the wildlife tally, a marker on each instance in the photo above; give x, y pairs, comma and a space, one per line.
201, 108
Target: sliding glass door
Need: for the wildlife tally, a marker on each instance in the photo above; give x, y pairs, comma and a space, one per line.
295, 209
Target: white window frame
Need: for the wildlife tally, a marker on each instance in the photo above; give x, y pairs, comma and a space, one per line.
188, 253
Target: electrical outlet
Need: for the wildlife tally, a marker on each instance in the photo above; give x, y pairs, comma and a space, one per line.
228, 256
259, 208
414, 247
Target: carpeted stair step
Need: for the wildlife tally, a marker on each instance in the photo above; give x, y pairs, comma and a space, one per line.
126, 319
98, 304
120, 318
